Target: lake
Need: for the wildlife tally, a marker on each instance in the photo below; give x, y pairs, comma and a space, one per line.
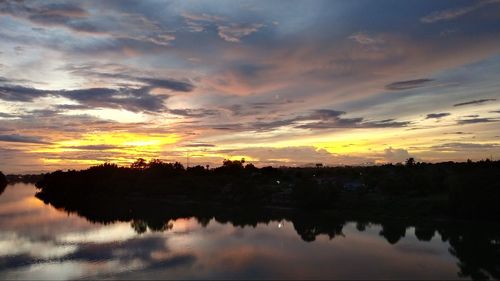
38, 241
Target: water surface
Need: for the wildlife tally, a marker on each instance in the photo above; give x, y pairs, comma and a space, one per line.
38, 241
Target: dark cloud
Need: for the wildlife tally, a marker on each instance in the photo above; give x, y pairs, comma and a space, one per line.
354, 123
476, 120
135, 100
41, 113
169, 84
22, 139
458, 133
325, 114
408, 84
317, 119
68, 15
89, 70
458, 146
437, 115
199, 145
329, 119
388, 123
7, 115
474, 102
197, 113
256, 108
72, 106
114, 31
20, 93
132, 99
272, 125
228, 127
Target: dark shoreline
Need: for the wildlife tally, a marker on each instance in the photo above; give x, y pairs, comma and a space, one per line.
462, 191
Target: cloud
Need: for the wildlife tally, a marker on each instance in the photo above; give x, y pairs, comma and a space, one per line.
459, 133
20, 93
127, 98
170, 84
66, 15
329, 119
128, 29
481, 101
72, 107
22, 139
476, 120
7, 115
119, 72
408, 84
229, 31
450, 14
197, 113
132, 99
199, 145
459, 146
364, 39
317, 119
203, 17
257, 108
135, 100
396, 155
198, 22
95, 147
234, 32
437, 115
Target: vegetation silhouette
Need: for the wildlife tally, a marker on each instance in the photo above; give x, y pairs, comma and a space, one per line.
3, 182
461, 190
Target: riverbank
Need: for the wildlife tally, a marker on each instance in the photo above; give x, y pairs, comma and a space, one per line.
450, 190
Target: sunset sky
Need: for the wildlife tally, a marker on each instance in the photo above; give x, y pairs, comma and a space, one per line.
276, 82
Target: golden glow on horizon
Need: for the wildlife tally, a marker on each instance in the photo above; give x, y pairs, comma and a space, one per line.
124, 145
209, 154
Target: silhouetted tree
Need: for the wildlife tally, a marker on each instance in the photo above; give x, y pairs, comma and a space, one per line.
139, 226
3, 182
139, 164
393, 231
424, 233
196, 170
410, 162
250, 167
233, 163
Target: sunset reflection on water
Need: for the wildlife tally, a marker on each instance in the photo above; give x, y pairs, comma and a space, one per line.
39, 242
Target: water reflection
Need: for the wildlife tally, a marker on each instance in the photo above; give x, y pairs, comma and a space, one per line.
158, 240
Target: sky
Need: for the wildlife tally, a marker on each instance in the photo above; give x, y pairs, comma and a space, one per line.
282, 83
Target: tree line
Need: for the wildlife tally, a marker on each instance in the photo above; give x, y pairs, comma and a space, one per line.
468, 189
